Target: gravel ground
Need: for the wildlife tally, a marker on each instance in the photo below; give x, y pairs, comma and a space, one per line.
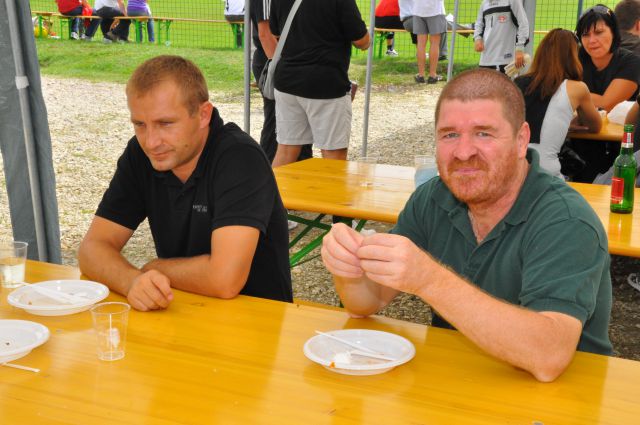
89, 133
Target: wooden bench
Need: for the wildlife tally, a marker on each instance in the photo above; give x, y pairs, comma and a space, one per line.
139, 22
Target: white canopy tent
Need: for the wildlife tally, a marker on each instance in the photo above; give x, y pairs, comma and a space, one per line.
24, 136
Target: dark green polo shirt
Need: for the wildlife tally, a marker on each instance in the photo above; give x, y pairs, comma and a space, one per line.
549, 253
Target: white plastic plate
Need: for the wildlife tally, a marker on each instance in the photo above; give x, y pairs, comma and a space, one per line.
88, 293
19, 337
331, 353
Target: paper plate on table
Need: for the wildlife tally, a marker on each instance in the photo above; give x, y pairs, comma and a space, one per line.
336, 356
19, 337
58, 297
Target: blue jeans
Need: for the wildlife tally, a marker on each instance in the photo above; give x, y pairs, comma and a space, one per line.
75, 26
150, 32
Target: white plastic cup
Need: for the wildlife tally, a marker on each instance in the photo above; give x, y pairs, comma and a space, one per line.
110, 325
13, 259
426, 169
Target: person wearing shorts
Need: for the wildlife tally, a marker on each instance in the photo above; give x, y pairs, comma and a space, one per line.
428, 24
312, 87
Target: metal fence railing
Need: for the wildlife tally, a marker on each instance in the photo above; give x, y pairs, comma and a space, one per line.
201, 24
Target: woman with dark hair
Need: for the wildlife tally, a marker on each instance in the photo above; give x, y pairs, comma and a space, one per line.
611, 73
553, 90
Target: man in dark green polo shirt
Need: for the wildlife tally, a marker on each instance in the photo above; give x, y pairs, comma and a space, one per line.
512, 257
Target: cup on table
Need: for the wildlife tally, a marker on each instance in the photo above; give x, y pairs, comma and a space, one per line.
426, 169
13, 258
367, 169
110, 325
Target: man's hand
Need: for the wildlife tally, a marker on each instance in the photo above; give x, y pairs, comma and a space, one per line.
479, 45
519, 60
395, 261
339, 248
150, 291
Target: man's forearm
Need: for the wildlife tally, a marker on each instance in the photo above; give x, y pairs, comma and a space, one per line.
100, 262
530, 340
194, 274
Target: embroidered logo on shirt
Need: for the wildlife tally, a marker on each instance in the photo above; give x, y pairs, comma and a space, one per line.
502, 19
200, 208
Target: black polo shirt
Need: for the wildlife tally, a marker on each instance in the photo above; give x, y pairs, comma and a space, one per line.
624, 65
232, 184
316, 54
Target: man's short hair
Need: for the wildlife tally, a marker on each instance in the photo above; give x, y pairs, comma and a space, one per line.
184, 73
628, 13
486, 84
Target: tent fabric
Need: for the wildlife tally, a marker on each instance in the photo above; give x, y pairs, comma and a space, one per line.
24, 129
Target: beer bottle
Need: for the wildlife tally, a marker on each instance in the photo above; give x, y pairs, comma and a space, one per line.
624, 175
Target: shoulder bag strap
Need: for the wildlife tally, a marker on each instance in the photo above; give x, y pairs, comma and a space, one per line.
285, 32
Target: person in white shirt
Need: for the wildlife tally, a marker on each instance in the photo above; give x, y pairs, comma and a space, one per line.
428, 23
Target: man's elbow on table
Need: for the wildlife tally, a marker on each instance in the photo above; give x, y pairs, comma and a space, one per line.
552, 367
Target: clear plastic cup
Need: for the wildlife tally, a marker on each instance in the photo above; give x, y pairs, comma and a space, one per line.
426, 169
13, 259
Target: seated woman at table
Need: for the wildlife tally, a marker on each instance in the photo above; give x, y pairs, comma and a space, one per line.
611, 73
553, 91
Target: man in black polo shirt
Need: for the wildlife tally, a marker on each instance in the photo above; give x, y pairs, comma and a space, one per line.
207, 189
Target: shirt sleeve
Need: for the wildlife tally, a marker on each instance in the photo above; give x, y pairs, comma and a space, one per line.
260, 10
563, 265
522, 36
478, 32
628, 67
274, 25
244, 189
123, 201
351, 21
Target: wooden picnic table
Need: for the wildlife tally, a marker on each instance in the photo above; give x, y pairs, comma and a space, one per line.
336, 187
241, 361
610, 132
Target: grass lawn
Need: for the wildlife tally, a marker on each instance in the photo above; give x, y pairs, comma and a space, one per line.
209, 45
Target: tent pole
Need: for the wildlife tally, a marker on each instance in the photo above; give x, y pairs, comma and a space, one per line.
367, 85
247, 67
22, 83
452, 42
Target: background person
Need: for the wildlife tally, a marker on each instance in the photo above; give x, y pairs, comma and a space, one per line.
141, 8
75, 8
207, 190
387, 15
108, 10
553, 90
429, 23
611, 73
312, 87
627, 13
234, 12
510, 256
501, 32
265, 46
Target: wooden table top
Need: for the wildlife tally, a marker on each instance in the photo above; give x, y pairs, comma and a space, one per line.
623, 230
335, 187
610, 132
240, 361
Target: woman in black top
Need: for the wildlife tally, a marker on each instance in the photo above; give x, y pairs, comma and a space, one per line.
611, 73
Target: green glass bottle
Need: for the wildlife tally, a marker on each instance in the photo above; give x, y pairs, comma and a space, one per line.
623, 182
